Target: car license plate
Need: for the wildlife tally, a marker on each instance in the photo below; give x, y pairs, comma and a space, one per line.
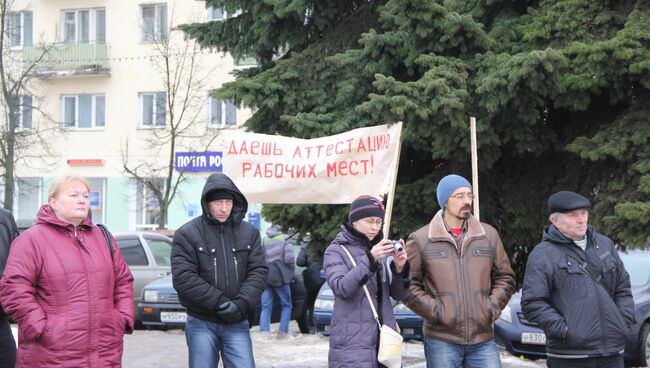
408, 331
173, 317
536, 338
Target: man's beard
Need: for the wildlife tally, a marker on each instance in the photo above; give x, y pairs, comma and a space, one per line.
465, 215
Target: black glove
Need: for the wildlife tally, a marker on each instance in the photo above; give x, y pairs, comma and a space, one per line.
229, 312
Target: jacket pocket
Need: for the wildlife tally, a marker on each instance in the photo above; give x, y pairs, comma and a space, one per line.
446, 314
484, 252
437, 253
484, 311
51, 338
240, 259
207, 263
575, 283
118, 322
609, 269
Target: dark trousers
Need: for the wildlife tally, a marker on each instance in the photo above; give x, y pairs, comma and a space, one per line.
612, 361
7, 344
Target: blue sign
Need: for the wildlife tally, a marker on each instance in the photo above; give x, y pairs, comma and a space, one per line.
255, 219
198, 161
95, 200
192, 210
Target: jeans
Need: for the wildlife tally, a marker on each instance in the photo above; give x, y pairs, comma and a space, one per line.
206, 340
440, 354
7, 344
612, 361
284, 294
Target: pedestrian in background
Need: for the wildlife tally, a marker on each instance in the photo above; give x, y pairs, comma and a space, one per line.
8, 232
219, 271
354, 337
71, 296
461, 279
576, 288
279, 256
311, 277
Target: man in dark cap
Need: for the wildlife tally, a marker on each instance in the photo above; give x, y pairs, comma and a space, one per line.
219, 271
576, 288
461, 279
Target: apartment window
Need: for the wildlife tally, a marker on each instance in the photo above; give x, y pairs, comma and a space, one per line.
19, 29
83, 111
153, 107
219, 13
24, 113
84, 25
147, 205
154, 22
28, 198
215, 13
222, 113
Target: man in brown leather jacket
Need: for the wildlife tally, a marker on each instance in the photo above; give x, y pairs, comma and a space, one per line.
461, 279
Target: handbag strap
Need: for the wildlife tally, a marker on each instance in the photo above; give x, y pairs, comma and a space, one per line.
108, 239
583, 263
365, 288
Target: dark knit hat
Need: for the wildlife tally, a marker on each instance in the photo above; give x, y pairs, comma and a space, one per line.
365, 206
215, 195
448, 185
566, 201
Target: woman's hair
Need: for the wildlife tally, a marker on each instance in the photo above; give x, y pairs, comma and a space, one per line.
59, 183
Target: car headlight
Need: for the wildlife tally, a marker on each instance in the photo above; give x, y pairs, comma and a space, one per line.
326, 304
150, 296
506, 314
401, 308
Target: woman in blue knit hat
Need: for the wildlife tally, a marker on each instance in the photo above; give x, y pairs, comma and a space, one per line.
354, 337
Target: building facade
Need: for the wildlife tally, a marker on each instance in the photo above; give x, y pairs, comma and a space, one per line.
111, 84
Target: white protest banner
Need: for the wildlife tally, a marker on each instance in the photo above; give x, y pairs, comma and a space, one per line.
334, 169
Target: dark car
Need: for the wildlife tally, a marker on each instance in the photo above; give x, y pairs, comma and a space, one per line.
521, 337
410, 324
159, 304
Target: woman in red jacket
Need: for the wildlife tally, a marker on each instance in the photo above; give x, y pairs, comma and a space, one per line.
72, 298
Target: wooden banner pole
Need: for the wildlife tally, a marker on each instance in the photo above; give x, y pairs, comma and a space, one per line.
391, 191
472, 126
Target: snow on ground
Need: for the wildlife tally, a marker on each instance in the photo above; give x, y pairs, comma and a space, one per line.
167, 349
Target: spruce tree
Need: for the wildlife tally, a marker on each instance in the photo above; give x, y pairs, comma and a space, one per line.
560, 89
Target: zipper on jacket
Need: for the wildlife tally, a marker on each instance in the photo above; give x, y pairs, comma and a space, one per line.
462, 281
234, 256
600, 308
214, 259
225, 259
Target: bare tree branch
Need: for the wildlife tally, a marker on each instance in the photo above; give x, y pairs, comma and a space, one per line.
184, 78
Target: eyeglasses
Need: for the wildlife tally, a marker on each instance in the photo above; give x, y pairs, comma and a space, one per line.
370, 221
469, 195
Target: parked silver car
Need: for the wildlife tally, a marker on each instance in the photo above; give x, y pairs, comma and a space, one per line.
148, 256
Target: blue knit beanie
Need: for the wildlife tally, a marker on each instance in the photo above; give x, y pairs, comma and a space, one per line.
447, 185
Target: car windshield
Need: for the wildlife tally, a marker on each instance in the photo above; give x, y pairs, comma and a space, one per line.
637, 264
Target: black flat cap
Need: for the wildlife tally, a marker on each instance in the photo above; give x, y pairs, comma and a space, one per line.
565, 201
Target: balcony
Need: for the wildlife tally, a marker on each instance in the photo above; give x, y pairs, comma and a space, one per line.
68, 59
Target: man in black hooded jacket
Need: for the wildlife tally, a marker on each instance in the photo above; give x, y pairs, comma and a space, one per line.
219, 271
576, 288
8, 232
